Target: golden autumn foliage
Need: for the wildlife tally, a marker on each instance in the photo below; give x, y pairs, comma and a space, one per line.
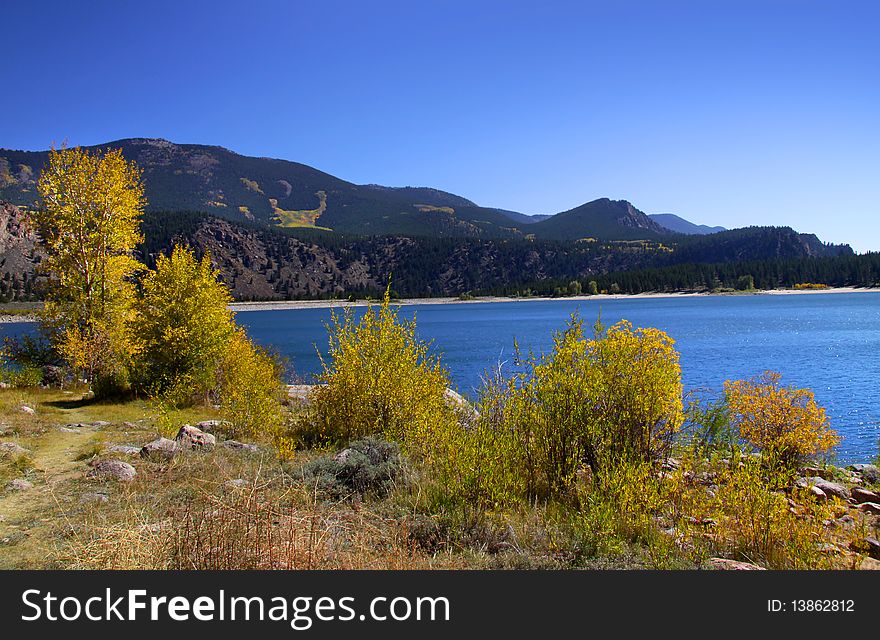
88, 223
379, 380
782, 422
606, 403
183, 326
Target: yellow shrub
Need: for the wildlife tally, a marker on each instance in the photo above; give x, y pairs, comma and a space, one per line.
783, 422
380, 380
755, 522
249, 391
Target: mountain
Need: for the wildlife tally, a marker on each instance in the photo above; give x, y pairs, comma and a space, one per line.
523, 218
210, 179
680, 225
260, 262
281, 193
600, 219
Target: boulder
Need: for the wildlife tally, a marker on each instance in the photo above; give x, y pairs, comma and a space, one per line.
211, 425
10, 449
829, 488
124, 449
860, 495
160, 448
26, 409
113, 470
818, 494
19, 484
870, 507
191, 437
235, 445
869, 472
734, 565
868, 545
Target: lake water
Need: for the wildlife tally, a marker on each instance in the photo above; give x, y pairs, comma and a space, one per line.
827, 342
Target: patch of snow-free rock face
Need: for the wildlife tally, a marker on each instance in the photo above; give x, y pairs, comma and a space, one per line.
191, 437
113, 470
19, 484
159, 449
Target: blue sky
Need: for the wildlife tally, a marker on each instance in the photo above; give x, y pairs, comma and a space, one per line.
730, 113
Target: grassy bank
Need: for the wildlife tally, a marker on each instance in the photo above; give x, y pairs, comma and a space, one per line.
230, 508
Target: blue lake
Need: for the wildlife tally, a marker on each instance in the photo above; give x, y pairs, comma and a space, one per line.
827, 342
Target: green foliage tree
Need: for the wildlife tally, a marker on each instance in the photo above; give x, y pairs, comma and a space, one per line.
593, 288
88, 224
574, 288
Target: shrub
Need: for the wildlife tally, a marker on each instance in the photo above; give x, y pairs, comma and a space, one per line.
367, 466
606, 402
250, 392
755, 522
183, 327
784, 423
380, 380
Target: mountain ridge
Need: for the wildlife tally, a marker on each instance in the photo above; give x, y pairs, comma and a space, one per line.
275, 192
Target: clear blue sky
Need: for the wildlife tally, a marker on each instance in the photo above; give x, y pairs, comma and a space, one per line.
730, 113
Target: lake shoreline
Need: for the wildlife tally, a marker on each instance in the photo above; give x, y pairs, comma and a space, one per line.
277, 305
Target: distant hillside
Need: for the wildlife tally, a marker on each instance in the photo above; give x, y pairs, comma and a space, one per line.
680, 225
209, 179
270, 192
603, 219
260, 262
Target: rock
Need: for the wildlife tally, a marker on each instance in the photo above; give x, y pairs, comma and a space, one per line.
860, 495
10, 449
846, 522
818, 472
237, 483
124, 449
671, 464
194, 438
160, 448
869, 472
239, 446
100, 423
211, 425
26, 409
113, 469
870, 507
69, 430
818, 494
829, 488
343, 456
19, 484
724, 563
91, 496
460, 404
868, 546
